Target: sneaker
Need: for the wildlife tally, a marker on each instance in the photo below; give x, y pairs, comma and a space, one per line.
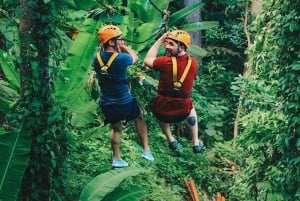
198, 148
147, 155
173, 145
119, 163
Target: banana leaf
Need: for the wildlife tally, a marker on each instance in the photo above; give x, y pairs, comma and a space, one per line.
84, 114
85, 5
197, 51
9, 70
73, 77
131, 193
105, 183
78, 63
14, 149
8, 97
181, 14
200, 26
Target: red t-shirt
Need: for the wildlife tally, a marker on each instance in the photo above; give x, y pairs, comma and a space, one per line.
164, 65
168, 108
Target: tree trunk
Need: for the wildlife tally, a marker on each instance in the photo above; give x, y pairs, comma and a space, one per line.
255, 9
194, 17
35, 93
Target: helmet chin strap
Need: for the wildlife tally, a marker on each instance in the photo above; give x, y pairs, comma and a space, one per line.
115, 47
178, 44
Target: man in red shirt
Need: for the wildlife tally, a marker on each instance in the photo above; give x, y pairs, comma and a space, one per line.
173, 103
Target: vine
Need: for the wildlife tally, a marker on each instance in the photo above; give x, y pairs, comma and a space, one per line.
43, 117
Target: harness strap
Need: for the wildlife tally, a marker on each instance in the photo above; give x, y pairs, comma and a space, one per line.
104, 67
177, 83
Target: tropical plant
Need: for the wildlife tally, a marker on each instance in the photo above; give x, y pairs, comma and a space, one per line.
105, 183
270, 121
69, 81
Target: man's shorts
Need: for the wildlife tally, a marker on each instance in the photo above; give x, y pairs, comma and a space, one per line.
170, 109
114, 113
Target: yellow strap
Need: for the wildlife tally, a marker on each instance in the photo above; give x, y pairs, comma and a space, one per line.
111, 59
100, 59
186, 70
174, 62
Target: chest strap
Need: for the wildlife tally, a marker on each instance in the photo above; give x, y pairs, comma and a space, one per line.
178, 83
104, 67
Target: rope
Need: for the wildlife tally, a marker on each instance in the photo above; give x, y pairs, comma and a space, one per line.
153, 4
162, 27
110, 11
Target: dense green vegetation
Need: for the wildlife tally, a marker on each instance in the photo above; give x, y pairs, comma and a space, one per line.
53, 142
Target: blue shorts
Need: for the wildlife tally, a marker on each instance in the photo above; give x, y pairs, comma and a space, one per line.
114, 113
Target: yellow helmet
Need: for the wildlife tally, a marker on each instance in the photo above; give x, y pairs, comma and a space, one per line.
108, 32
181, 36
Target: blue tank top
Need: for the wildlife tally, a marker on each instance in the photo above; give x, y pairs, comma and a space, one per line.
114, 87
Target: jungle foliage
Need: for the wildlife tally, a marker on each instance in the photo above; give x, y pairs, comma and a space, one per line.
53, 141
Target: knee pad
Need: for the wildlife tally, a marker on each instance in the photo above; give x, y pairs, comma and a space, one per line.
191, 121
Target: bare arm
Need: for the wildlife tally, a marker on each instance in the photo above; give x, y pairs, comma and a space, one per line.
125, 48
152, 53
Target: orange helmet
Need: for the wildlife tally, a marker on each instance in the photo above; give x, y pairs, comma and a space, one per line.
108, 32
181, 36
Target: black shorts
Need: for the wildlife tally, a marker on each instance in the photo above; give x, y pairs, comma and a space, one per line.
114, 113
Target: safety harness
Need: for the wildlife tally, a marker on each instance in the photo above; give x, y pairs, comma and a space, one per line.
105, 67
178, 83
105, 78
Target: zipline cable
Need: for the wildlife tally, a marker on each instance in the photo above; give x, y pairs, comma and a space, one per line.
110, 11
162, 27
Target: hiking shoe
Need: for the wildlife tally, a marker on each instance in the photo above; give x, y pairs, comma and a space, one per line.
147, 155
119, 163
173, 145
198, 148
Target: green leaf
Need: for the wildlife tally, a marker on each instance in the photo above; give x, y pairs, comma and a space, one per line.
200, 26
8, 97
106, 183
181, 14
86, 5
9, 70
14, 149
131, 193
197, 51
74, 73
84, 114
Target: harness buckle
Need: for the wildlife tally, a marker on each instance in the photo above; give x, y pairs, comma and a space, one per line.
177, 85
104, 70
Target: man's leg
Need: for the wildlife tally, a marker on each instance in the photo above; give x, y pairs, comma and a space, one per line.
165, 127
115, 139
192, 124
141, 129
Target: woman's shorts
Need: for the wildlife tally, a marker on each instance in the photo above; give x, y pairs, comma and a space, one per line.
114, 113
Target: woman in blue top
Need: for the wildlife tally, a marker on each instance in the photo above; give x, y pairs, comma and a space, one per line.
116, 100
